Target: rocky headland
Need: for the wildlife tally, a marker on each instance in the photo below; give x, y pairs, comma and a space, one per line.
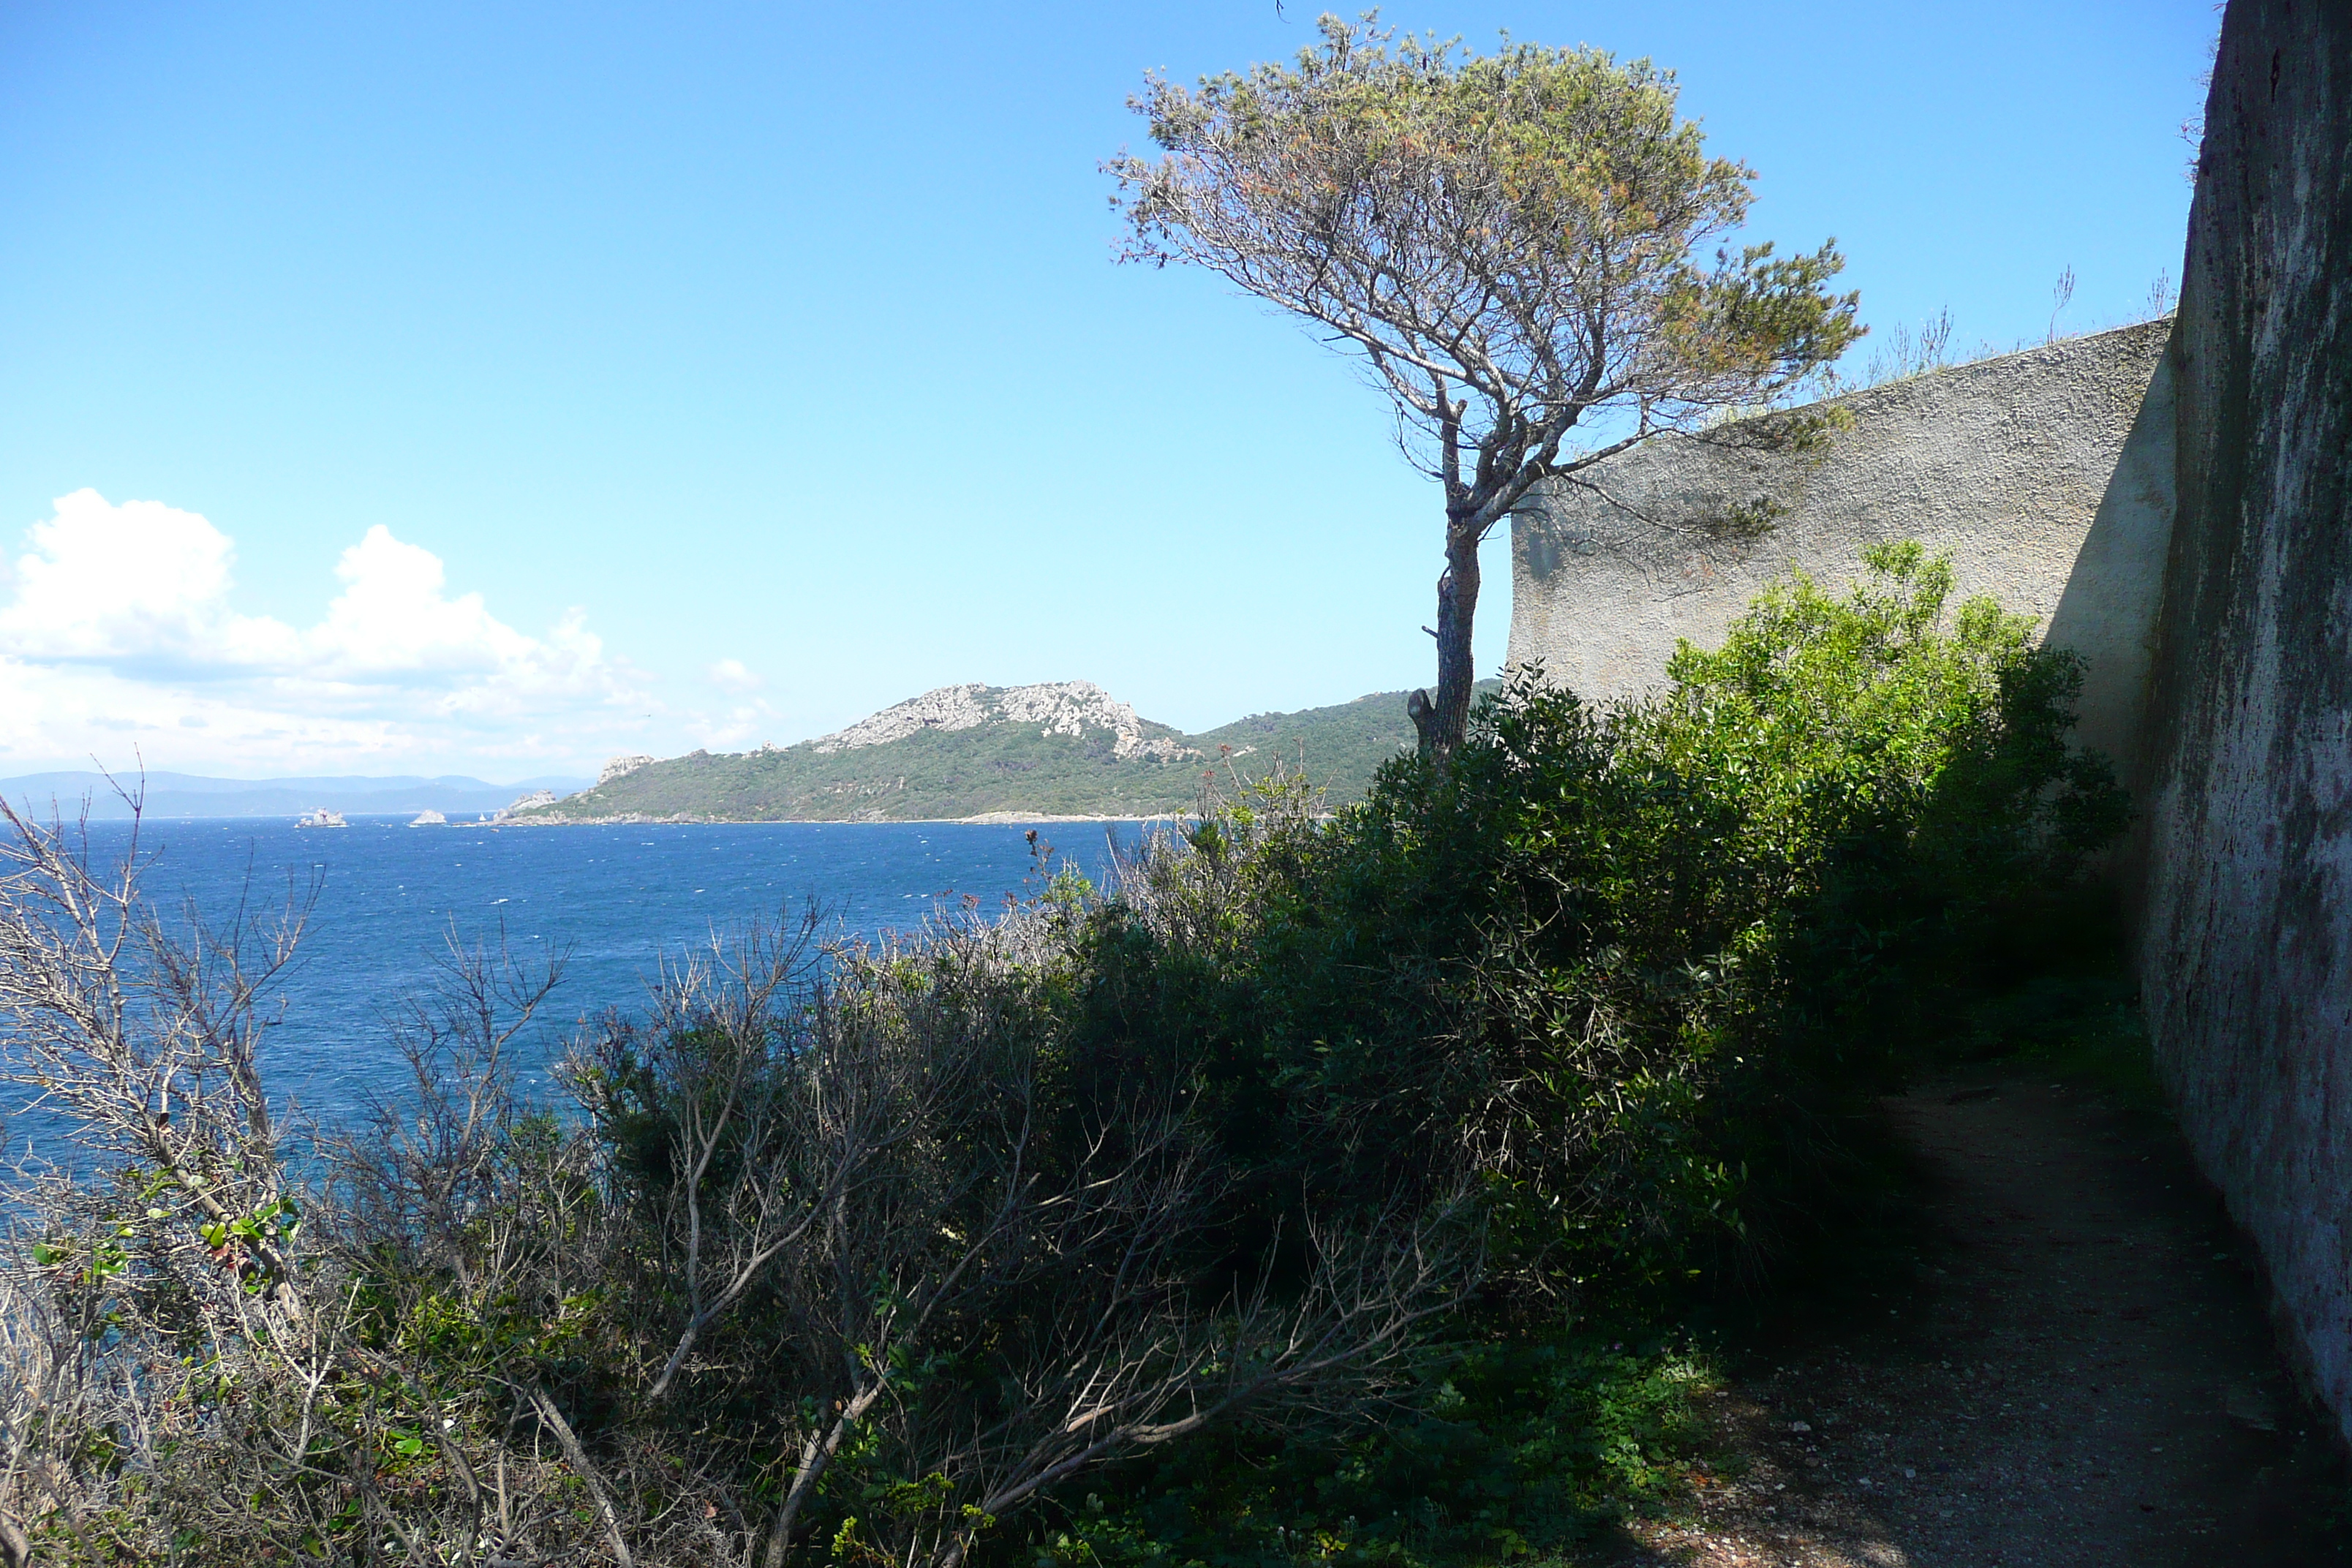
1065, 750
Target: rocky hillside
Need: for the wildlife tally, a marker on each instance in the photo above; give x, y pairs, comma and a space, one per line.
1072, 708
1060, 749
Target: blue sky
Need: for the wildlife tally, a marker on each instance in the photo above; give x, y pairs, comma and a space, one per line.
512, 385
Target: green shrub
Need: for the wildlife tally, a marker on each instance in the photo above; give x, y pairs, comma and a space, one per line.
1509, 1449
1649, 964
1641, 959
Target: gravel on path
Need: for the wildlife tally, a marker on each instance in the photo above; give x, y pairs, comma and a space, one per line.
2084, 1373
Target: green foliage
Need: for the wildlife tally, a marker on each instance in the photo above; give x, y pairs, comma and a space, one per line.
1651, 963
1646, 960
1835, 718
1500, 179
1510, 1448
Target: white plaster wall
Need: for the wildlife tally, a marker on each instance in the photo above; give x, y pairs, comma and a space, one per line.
2047, 474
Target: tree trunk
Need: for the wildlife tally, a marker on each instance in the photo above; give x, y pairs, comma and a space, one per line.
1441, 723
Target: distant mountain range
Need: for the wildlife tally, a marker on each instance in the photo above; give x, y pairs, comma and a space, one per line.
192, 794
1065, 748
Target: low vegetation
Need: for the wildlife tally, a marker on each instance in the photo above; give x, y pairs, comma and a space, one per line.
1326, 1185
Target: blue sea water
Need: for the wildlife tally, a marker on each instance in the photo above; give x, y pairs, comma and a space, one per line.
610, 899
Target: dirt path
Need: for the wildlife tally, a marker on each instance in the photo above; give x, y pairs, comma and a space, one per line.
2083, 1374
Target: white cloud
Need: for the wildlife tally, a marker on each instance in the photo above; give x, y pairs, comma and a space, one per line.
122, 625
745, 725
143, 582
731, 675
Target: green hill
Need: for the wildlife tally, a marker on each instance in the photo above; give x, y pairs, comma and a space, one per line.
1339, 747
1063, 750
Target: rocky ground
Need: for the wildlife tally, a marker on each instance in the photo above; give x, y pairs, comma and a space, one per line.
2082, 1373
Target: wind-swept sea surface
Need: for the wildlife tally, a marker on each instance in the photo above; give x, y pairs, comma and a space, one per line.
610, 900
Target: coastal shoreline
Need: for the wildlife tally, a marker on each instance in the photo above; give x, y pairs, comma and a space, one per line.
984, 820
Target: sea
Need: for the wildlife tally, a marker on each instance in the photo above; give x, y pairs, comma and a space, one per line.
611, 902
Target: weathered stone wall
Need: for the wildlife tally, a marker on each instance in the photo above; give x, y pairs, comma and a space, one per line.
2246, 918
2047, 474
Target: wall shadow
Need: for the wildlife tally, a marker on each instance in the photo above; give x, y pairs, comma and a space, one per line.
2114, 592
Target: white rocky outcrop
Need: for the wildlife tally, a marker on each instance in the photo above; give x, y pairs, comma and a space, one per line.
531, 801
1159, 748
948, 708
621, 767
1058, 708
